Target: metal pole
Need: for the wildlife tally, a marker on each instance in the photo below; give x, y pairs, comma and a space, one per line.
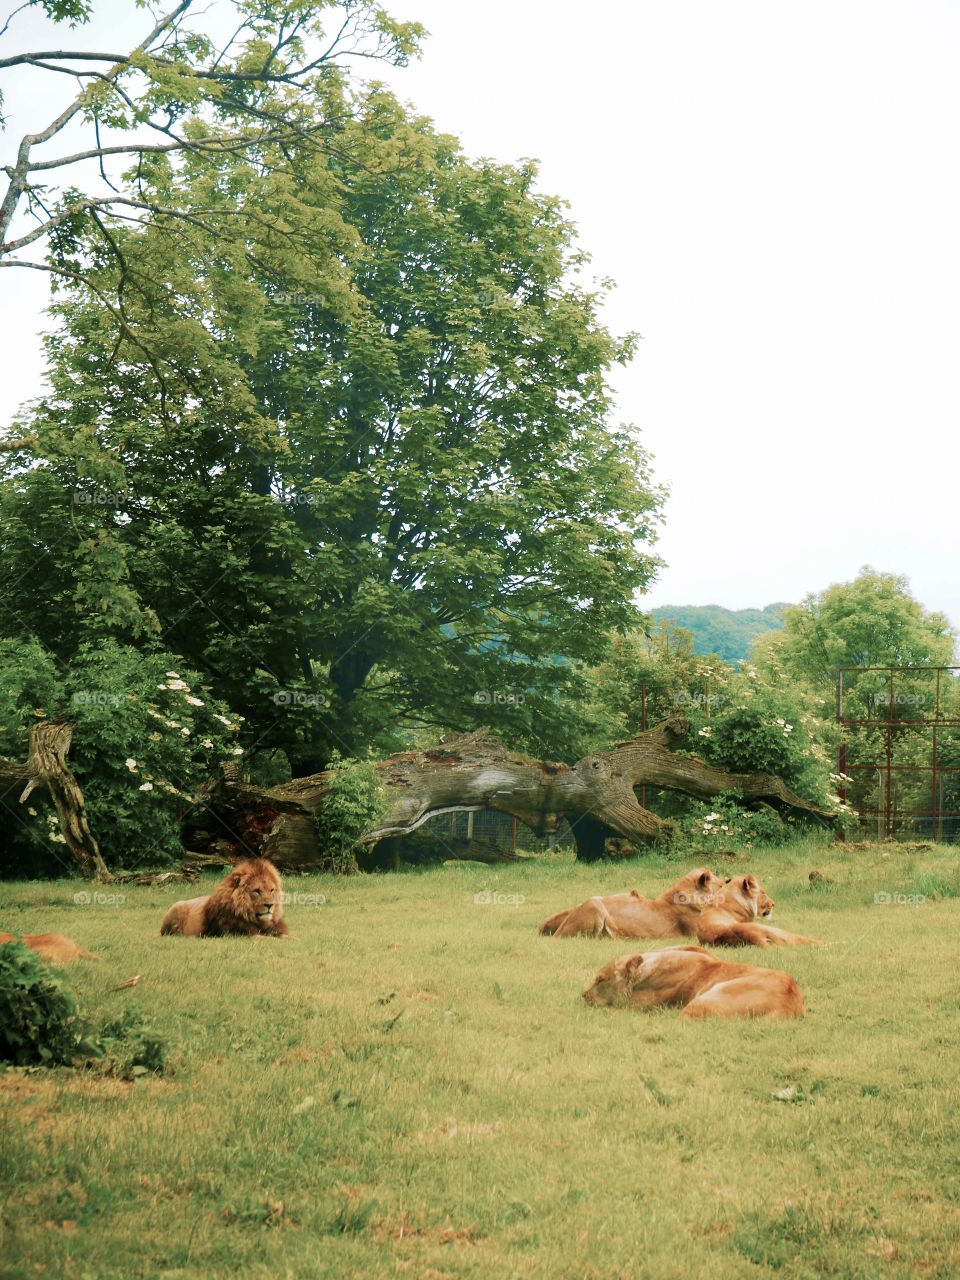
842, 749
889, 816
934, 819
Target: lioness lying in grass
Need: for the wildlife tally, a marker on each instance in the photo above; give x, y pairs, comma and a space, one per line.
732, 920
629, 915
698, 982
699, 905
55, 947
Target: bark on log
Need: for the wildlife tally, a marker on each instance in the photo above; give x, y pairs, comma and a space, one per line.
476, 771
46, 768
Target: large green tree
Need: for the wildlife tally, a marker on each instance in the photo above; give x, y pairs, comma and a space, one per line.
355, 460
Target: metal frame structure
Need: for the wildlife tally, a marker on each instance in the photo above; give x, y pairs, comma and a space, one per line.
888, 815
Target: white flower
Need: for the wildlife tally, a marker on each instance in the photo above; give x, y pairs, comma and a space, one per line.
173, 675
712, 817
223, 720
177, 684
237, 751
145, 786
32, 813
195, 702
705, 732
131, 764
184, 733
780, 720
207, 743
59, 838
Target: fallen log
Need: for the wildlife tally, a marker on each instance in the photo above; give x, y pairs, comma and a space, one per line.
596, 796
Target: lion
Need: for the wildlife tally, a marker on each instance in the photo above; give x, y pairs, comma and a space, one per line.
732, 920
248, 901
55, 947
699, 983
628, 915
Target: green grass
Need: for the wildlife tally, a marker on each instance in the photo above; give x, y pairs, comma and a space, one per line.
411, 1086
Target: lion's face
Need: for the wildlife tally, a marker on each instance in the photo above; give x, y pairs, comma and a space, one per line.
623, 979
614, 982
255, 891
750, 893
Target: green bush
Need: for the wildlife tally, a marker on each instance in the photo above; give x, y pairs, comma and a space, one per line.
354, 801
723, 823
147, 735
39, 1022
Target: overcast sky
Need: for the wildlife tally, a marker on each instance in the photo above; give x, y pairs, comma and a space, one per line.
775, 187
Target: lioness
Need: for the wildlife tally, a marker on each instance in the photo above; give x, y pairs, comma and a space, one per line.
55, 947
628, 915
700, 983
732, 920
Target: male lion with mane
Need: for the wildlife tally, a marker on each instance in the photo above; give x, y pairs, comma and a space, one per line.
248, 901
699, 983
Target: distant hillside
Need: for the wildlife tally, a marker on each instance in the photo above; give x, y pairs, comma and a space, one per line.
729, 632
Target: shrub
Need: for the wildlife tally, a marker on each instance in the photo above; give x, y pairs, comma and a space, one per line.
147, 735
39, 1022
722, 823
354, 801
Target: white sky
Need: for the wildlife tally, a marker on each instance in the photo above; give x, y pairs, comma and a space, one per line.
776, 189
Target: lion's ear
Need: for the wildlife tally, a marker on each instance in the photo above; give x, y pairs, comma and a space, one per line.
235, 881
704, 878
749, 884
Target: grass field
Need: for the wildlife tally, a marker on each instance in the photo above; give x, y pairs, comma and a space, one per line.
411, 1086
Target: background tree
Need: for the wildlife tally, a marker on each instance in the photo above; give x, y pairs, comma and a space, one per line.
362, 474
872, 621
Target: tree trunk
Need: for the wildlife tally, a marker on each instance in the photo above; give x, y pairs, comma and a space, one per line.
47, 768
476, 771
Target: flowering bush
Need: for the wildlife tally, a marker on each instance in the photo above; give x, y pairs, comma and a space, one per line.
723, 823
147, 735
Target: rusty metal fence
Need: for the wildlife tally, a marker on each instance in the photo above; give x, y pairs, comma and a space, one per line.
898, 759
